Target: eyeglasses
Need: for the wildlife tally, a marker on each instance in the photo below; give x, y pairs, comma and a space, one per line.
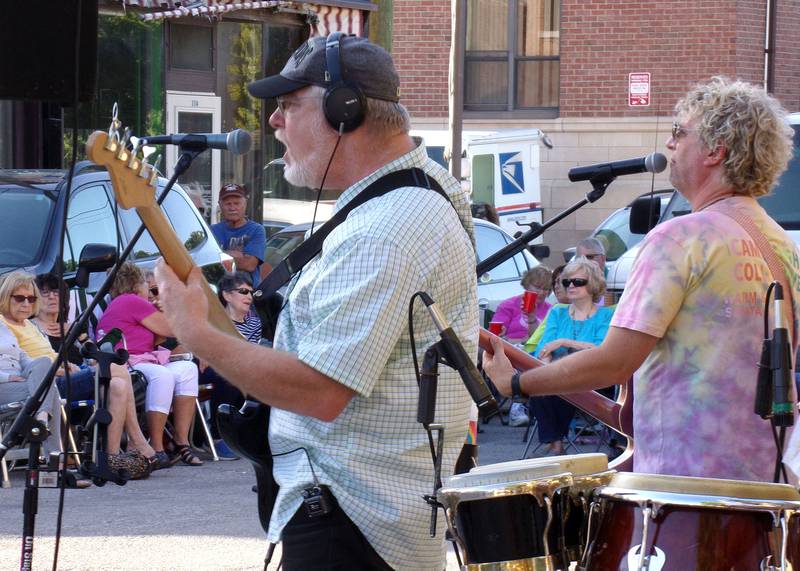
21, 298
678, 131
243, 291
285, 103
48, 292
153, 291
577, 282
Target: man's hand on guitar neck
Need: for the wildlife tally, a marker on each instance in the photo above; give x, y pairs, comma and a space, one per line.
497, 366
184, 305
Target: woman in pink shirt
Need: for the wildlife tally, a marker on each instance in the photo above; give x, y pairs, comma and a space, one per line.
517, 324
170, 385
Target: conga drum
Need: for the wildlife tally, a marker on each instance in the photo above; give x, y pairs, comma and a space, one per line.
674, 523
512, 516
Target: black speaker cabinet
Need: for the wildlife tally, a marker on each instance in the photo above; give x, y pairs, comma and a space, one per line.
38, 47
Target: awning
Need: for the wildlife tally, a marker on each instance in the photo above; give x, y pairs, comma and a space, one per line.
329, 18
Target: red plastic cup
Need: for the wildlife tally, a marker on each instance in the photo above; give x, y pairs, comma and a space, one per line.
496, 327
528, 301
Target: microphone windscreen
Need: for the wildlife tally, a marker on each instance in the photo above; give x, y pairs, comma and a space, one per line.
655, 162
239, 141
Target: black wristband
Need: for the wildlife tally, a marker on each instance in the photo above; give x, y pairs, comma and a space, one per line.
516, 391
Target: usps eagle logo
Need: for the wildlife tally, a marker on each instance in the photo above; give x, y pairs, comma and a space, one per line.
511, 173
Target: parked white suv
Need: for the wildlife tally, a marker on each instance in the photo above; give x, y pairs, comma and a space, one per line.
782, 204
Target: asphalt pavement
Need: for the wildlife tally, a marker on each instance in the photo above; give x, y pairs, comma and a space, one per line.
183, 518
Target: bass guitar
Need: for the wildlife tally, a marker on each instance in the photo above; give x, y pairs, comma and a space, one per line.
135, 183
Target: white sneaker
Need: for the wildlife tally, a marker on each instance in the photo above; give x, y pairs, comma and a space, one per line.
518, 415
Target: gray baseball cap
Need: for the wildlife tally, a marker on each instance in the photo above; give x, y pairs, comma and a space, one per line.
364, 64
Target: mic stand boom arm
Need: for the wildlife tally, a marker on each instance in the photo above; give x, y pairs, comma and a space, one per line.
599, 183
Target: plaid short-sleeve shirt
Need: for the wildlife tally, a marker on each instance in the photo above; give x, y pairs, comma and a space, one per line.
347, 317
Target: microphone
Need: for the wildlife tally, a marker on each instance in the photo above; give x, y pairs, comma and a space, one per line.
654, 162
237, 142
458, 359
781, 364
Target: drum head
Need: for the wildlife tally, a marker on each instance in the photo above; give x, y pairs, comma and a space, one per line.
624, 481
575, 464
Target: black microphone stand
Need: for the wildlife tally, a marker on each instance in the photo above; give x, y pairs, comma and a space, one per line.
599, 182
426, 409
25, 425
97, 467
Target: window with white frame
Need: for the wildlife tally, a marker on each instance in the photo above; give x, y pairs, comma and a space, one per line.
512, 58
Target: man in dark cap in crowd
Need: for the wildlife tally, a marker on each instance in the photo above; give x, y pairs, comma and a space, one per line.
241, 238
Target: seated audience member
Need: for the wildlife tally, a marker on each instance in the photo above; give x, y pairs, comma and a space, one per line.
171, 384
235, 292
21, 298
580, 325
558, 295
20, 376
518, 325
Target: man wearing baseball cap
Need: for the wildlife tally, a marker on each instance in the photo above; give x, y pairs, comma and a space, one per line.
340, 376
241, 238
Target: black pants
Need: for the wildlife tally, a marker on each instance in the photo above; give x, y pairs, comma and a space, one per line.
554, 415
327, 543
222, 393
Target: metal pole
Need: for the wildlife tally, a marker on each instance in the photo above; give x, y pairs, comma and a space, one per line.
457, 41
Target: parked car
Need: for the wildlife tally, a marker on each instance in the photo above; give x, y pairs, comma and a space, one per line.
614, 232
493, 287
782, 204
280, 213
32, 206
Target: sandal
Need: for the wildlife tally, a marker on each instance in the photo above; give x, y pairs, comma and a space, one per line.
185, 455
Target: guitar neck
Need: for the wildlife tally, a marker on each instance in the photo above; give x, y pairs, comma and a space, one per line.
602, 408
181, 262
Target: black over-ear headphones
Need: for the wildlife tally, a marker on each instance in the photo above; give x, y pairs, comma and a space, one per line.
344, 103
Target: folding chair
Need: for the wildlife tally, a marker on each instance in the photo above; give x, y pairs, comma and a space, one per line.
7, 415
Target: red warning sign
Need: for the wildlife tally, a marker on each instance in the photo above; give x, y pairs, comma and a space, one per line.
639, 89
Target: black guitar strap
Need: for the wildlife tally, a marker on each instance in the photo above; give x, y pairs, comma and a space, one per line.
267, 303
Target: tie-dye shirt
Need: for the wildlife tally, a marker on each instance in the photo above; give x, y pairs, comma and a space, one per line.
698, 284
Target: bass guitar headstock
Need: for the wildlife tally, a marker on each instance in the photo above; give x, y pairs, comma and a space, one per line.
133, 178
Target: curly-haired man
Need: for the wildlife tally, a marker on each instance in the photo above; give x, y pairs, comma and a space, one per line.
690, 318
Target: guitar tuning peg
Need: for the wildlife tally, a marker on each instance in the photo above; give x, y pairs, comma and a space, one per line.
144, 168
134, 162
122, 153
154, 176
113, 129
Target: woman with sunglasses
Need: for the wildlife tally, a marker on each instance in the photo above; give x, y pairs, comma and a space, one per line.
20, 299
235, 292
581, 324
171, 385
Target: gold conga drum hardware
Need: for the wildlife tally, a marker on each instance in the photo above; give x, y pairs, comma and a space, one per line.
643, 522
521, 515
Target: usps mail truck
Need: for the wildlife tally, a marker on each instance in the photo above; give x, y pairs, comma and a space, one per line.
504, 171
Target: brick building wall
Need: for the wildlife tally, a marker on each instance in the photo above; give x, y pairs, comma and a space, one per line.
678, 41
421, 51
787, 56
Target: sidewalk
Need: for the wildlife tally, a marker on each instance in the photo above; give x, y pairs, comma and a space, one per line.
182, 519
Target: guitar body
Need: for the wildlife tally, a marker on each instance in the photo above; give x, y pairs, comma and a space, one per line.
245, 432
